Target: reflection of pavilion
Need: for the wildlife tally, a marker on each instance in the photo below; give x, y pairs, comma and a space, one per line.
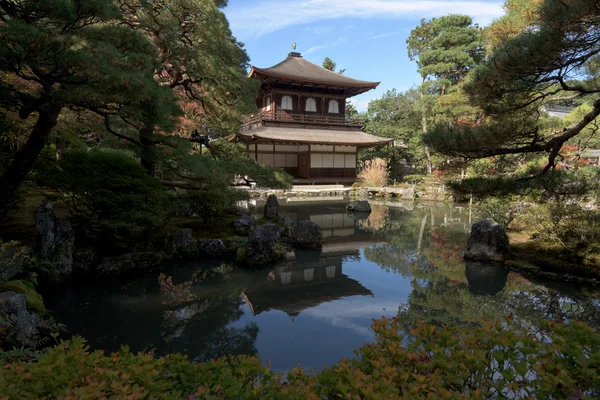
296, 286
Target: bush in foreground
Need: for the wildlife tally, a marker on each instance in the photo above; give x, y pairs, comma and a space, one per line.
489, 360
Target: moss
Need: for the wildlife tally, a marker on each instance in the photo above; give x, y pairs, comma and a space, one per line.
35, 302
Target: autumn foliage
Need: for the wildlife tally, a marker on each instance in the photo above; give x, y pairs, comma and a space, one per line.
473, 361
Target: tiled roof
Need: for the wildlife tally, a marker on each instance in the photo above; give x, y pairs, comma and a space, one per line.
296, 67
312, 136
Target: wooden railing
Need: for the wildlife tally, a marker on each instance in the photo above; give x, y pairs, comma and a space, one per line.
292, 116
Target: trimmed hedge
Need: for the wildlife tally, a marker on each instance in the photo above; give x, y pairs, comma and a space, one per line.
483, 361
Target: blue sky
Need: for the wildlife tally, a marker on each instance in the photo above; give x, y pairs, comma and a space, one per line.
366, 37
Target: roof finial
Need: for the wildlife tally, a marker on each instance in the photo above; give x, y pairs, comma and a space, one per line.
294, 46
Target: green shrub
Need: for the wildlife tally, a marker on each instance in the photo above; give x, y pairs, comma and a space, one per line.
498, 209
109, 190
493, 360
209, 204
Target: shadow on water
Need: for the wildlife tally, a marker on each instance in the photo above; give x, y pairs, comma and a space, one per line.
317, 306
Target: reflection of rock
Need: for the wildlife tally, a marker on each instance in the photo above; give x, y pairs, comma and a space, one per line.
488, 242
263, 245
271, 210
358, 215
358, 207
307, 234
485, 279
244, 224
306, 256
16, 321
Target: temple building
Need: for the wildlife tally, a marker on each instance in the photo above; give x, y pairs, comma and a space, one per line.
301, 124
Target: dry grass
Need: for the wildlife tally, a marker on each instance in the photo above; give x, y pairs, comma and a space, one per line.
374, 173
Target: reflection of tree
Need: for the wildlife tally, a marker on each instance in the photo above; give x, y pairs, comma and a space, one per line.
196, 322
427, 246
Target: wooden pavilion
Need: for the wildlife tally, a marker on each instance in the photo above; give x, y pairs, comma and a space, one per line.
301, 124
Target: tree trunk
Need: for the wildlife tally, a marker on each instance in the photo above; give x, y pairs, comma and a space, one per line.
147, 150
429, 167
12, 178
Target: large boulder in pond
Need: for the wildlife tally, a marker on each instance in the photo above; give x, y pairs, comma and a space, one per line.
55, 240
360, 206
485, 279
307, 234
182, 242
16, 322
488, 242
271, 210
263, 246
244, 224
211, 248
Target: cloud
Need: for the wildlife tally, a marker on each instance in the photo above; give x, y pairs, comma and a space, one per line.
250, 18
313, 49
319, 30
337, 42
382, 35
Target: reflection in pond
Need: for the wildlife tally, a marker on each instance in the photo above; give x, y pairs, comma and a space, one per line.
317, 306
485, 279
297, 286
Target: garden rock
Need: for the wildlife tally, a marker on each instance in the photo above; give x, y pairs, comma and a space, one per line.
182, 242
271, 208
488, 242
84, 259
363, 194
11, 263
211, 248
263, 245
24, 323
128, 263
360, 206
244, 224
307, 234
55, 239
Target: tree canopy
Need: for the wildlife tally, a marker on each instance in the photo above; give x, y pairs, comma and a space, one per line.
556, 43
72, 54
445, 50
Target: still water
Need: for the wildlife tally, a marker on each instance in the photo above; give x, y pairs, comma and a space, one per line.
316, 307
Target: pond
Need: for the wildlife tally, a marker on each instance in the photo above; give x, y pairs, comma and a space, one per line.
316, 307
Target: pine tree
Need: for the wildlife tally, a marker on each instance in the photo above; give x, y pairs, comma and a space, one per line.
445, 49
71, 54
556, 43
329, 64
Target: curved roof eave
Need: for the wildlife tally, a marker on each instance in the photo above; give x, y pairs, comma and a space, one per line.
255, 70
